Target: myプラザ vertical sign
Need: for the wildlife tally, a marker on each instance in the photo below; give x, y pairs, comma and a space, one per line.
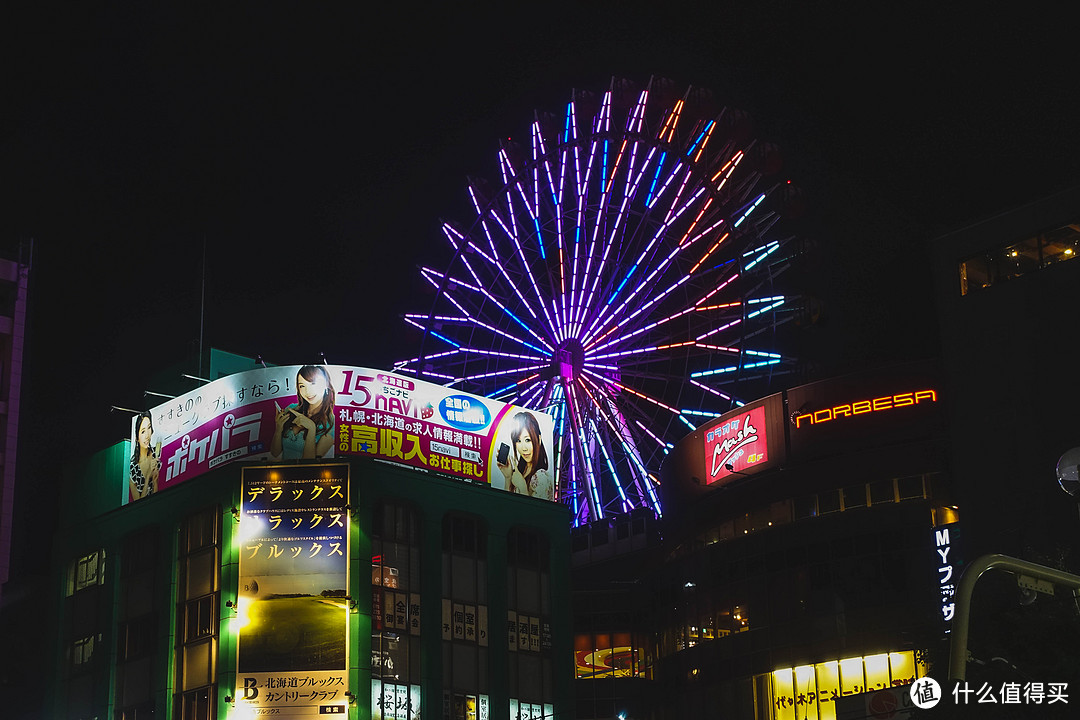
292, 605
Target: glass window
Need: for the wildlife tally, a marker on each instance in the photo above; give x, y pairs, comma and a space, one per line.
87, 571
198, 704
200, 540
1061, 244
395, 607
529, 621
882, 491
806, 507
83, 650
855, 496
829, 502
910, 487
1030, 254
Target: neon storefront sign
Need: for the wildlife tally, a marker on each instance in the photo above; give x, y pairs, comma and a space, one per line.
862, 407
735, 444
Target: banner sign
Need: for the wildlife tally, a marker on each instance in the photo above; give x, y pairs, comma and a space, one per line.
326, 411
737, 441
292, 606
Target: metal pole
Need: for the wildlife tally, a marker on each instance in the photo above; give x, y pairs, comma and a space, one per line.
959, 642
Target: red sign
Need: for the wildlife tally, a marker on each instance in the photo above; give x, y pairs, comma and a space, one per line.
737, 443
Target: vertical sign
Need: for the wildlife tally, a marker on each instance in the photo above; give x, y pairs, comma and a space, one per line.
947, 561
292, 609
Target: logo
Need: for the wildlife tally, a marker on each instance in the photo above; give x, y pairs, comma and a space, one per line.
729, 448
465, 413
925, 693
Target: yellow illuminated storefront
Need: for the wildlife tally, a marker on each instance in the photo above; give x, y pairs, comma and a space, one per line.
810, 692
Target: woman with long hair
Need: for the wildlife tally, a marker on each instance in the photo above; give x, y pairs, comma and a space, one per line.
305, 429
145, 459
526, 472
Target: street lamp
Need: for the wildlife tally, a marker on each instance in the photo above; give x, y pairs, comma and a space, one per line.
1068, 472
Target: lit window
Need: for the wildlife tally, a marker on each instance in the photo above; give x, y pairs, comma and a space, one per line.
87, 571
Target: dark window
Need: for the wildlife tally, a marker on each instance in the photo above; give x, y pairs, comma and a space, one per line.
829, 502
855, 496
910, 487
198, 595
881, 491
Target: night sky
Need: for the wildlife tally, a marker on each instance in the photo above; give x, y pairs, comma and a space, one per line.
313, 151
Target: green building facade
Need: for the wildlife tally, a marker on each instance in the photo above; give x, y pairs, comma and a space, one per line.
464, 614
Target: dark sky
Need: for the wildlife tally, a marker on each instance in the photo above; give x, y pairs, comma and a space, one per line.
312, 151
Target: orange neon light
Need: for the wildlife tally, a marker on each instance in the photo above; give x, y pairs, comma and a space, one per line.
860, 407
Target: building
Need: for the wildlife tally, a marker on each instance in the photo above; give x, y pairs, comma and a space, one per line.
374, 584
14, 278
799, 563
815, 558
1008, 289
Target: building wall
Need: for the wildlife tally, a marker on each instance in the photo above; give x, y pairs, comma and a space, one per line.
1010, 358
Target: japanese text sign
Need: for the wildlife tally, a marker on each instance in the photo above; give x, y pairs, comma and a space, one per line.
327, 411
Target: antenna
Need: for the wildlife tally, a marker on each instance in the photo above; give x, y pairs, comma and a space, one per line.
202, 304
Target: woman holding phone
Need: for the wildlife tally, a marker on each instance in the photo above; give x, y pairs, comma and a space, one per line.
305, 429
526, 467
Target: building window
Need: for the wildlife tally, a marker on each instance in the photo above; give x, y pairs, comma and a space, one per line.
87, 607
882, 491
993, 267
198, 595
87, 571
911, 487
465, 621
82, 650
529, 620
811, 691
395, 612
854, 496
137, 622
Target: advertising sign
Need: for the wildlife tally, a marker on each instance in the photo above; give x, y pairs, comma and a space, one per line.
292, 606
326, 411
735, 444
867, 409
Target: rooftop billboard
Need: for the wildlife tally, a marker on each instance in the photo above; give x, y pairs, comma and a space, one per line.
314, 412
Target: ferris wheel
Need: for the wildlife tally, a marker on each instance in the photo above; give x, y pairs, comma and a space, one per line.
620, 277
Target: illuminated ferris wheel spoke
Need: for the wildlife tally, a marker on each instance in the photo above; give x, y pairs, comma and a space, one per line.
580, 447
663, 445
656, 237
593, 348
480, 324
483, 291
626, 506
616, 421
621, 279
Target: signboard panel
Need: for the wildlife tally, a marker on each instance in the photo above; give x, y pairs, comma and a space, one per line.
737, 444
292, 604
749, 440
865, 410
326, 411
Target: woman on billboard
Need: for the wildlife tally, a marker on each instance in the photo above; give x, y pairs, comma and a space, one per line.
526, 470
145, 461
305, 429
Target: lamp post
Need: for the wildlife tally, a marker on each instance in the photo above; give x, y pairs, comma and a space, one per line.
1030, 576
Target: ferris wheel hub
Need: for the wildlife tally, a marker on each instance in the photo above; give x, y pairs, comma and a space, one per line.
568, 360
